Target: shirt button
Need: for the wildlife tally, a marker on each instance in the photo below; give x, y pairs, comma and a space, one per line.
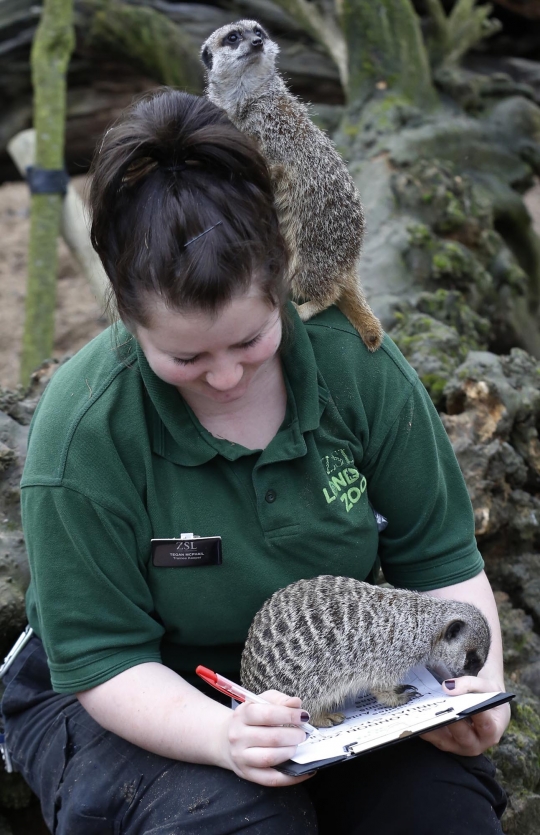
271, 496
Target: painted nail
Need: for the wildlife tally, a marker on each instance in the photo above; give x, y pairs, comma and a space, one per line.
304, 716
450, 684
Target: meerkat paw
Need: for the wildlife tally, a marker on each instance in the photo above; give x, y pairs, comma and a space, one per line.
327, 720
361, 316
399, 695
372, 333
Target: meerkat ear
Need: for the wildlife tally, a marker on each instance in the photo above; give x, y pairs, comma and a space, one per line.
453, 629
206, 57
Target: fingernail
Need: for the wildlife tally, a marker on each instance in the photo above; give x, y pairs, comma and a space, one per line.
450, 684
304, 716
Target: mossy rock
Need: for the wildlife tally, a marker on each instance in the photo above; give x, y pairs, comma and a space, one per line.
518, 754
522, 814
451, 266
455, 266
433, 348
446, 200
450, 307
521, 644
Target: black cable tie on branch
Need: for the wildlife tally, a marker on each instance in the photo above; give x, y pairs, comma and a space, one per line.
47, 180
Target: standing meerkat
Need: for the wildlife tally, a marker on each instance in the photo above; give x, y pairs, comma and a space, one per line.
318, 206
328, 638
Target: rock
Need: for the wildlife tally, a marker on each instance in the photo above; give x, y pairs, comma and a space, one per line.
13, 438
433, 349
442, 196
521, 644
517, 757
14, 580
450, 307
522, 814
492, 407
520, 578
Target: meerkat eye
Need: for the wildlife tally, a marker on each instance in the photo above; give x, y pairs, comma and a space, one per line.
232, 37
258, 33
453, 630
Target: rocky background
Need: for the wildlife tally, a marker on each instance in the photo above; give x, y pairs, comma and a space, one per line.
451, 261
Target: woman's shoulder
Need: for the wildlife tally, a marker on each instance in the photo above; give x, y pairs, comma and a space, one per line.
84, 397
348, 366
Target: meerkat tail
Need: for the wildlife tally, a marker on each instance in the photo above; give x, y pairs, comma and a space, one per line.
353, 304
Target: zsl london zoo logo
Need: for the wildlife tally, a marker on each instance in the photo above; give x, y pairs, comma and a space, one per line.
342, 485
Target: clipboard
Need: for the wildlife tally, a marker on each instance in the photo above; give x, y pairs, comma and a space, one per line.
369, 726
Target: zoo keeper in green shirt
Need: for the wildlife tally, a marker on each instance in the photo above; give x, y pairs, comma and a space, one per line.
213, 411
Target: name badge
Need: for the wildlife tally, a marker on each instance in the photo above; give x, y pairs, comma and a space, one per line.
187, 551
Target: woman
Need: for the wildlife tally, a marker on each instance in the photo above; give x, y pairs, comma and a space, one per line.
205, 419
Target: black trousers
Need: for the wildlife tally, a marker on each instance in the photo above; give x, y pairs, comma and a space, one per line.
92, 782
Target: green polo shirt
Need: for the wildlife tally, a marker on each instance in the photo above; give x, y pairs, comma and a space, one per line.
116, 458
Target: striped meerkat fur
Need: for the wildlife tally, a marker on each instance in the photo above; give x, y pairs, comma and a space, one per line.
328, 638
318, 206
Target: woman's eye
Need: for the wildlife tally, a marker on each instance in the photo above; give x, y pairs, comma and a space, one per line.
252, 341
179, 361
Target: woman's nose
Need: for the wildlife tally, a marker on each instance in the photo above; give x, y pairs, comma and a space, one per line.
225, 376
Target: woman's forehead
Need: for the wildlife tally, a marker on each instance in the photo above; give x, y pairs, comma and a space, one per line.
193, 331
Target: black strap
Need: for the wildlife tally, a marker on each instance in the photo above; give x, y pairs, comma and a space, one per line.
47, 180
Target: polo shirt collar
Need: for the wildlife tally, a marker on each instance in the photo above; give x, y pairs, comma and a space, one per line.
178, 435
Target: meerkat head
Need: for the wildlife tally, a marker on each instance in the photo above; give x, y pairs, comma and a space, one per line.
239, 58
461, 647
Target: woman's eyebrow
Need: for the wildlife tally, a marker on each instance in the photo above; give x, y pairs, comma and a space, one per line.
187, 355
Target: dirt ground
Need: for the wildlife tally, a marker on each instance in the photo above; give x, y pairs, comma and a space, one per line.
78, 315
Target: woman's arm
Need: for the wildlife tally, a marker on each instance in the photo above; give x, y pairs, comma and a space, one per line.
474, 736
153, 707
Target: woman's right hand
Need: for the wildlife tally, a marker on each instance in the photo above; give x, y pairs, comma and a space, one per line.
257, 737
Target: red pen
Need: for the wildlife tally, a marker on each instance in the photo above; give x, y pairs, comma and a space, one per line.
236, 691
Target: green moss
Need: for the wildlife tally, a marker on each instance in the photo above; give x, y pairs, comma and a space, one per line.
434, 385
433, 348
441, 264
454, 214
450, 307
419, 235
351, 130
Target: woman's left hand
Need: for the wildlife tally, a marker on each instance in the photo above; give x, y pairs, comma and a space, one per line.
472, 736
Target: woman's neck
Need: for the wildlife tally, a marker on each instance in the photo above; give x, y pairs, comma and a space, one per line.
252, 420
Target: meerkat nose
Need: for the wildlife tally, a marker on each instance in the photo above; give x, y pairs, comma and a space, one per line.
256, 42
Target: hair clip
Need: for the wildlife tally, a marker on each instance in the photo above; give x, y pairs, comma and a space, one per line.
196, 238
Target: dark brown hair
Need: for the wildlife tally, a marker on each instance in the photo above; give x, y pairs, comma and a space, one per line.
172, 167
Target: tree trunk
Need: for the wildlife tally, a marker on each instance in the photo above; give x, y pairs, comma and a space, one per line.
385, 47
148, 38
51, 51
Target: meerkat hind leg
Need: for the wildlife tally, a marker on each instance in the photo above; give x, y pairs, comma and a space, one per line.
327, 720
395, 696
309, 309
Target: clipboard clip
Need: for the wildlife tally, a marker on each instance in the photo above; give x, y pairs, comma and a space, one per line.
349, 749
